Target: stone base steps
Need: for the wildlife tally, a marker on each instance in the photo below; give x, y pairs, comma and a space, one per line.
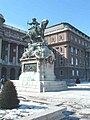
80, 87
83, 85
53, 113
39, 86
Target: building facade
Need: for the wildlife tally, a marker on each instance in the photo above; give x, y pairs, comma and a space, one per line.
71, 48
11, 49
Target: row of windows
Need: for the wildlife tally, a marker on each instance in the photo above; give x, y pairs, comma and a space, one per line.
76, 51
79, 53
72, 61
59, 60
13, 34
78, 61
59, 55
11, 53
72, 73
5, 60
76, 58
55, 38
60, 49
79, 40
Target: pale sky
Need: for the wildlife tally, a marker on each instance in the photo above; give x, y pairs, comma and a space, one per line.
18, 12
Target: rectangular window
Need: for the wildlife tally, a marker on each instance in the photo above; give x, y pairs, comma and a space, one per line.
61, 37
83, 43
71, 37
61, 73
53, 39
76, 51
73, 73
79, 41
77, 72
72, 50
6, 58
76, 39
14, 60
61, 60
76, 61
86, 44
61, 49
72, 60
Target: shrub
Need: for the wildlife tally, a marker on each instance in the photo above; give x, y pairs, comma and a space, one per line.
8, 96
77, 81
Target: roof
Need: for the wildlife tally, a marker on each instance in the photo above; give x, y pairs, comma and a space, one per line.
2, 17
70, 26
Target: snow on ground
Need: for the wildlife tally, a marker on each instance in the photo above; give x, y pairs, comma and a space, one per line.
26, 108
76, 99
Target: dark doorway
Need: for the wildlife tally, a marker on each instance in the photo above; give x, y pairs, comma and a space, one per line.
4, 72
12, 74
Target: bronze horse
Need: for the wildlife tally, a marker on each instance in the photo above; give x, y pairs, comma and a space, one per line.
37, 30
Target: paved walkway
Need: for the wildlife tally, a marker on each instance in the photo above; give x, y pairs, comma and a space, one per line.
76, 99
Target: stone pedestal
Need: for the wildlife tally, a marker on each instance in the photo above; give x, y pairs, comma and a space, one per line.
34, 69
38, 76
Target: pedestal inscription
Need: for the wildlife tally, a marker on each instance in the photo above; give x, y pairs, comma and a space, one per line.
30, 67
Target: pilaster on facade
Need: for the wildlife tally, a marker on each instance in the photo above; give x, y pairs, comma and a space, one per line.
66, 55
0, 49
56, 38
8, 53
17, 55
